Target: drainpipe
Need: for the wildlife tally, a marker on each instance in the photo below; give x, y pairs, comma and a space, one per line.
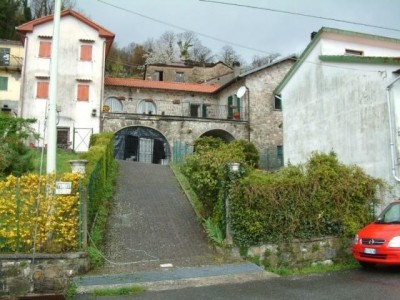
393, 151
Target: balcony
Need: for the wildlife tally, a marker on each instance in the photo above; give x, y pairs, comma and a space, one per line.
170, 110
11, 64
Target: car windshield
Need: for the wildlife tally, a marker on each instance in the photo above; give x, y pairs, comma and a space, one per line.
390, 215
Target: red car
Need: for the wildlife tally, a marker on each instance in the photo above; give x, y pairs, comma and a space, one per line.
379, 242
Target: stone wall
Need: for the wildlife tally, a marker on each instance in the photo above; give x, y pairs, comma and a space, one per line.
48, 274
299, 254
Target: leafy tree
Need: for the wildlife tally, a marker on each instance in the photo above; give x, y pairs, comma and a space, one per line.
15, 156
12, 14
114, 63
41, 8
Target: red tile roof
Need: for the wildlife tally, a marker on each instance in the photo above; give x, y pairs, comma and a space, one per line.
104, 33
163, 85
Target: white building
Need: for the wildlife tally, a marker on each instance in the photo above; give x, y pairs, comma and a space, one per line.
83, 47
335, 98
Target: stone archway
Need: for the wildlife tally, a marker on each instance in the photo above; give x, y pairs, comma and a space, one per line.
219, 133
142, 144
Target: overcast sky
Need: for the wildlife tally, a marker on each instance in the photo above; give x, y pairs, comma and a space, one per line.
262, 31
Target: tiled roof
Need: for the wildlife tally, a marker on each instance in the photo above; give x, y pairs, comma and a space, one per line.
163, 85
104, 33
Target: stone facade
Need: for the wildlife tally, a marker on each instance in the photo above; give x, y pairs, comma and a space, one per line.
49, 273
196, 73
300, 254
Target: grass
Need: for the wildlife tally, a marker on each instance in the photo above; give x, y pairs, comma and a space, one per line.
316, 269
129, 290
183, 181
62, 160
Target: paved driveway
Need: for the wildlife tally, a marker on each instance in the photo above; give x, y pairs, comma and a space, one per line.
152, 222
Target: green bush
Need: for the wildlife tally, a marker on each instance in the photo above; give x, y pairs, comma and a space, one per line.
323, 197
101, 173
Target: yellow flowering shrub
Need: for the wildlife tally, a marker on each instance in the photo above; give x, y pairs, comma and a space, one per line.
32, 215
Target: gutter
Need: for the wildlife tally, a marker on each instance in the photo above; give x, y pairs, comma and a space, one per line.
393, 151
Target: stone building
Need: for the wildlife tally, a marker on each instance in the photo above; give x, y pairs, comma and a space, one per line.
191, 72
151, 119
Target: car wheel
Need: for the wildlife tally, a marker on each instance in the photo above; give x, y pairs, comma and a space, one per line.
367, 265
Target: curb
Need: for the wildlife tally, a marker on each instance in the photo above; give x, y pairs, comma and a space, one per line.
175, 278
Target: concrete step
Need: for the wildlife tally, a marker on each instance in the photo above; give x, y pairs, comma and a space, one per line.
175, 278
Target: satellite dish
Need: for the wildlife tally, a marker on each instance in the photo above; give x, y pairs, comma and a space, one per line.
241, 91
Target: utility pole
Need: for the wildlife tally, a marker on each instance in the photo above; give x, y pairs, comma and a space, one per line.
52, 122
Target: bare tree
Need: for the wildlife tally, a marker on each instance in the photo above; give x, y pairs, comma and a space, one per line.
41, 8
228, 55
162, 50
259, 61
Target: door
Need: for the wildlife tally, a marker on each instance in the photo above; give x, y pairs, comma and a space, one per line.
146, 150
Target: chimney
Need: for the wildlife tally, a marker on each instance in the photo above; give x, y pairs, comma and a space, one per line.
236, 68
313, 34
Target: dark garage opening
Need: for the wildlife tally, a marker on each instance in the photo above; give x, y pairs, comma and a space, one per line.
141, 144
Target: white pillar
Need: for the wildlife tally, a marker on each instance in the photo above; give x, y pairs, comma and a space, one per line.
52, 121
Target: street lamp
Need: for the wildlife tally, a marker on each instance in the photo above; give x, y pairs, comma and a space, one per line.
234, 168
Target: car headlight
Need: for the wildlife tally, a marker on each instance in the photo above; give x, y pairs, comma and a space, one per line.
355, 241
394, 242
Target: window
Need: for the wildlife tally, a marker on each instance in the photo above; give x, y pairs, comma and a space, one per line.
3, 83
42, 90
45, 49
278, 102
86, 52
4, 56
234, 107
354, 52
279, 153
147, 106
180, 77
114, 104
158, 75
63, 137
194, 109
83, 92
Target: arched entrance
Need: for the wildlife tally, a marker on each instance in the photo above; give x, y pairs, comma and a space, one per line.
219, 133
142, 144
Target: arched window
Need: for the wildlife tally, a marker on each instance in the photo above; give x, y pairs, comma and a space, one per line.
147, 106
114, 104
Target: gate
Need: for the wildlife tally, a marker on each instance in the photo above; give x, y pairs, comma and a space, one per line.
81, 139
181, 150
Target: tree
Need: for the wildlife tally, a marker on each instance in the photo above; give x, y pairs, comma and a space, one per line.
15, 156
114, 63
12, 14
41, 8
228, 55
259, 61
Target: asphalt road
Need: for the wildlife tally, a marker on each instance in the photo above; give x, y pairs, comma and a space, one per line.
379, 283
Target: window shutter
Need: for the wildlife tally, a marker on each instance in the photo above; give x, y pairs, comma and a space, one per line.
42, 90
83, 92
230, 108
238, 104
204, 111
86, 52
3, 83
45, 49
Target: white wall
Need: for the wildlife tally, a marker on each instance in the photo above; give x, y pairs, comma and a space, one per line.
73, 113
339, 107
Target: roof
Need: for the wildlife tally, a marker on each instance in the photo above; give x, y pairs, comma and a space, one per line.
188, 64
162, 85
314, 42
275, 62
382, 60
29, 26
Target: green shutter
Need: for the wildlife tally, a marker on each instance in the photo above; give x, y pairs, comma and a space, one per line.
238, 105
3, 83
230, 109
204, 111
